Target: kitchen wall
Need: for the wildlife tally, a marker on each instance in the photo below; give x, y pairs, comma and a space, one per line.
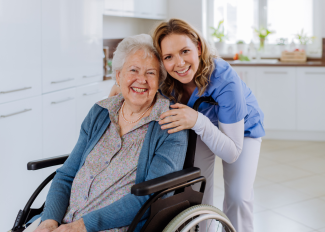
131, 26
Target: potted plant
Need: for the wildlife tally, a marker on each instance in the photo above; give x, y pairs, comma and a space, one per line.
303, 39
219, 35
240, 46
262, 34
281, 44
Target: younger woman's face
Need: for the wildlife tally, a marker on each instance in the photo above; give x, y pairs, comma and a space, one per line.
180, 57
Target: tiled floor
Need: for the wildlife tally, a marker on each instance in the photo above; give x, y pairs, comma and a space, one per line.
289, 187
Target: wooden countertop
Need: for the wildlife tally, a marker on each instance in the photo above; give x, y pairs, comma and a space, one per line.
309, 63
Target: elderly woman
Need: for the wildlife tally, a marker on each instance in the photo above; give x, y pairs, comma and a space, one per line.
120, 144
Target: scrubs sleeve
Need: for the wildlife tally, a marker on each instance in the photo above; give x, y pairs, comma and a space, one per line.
231, 100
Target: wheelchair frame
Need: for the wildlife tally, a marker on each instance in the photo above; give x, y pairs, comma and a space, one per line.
162, 210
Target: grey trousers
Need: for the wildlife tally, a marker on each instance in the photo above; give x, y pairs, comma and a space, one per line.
239, 179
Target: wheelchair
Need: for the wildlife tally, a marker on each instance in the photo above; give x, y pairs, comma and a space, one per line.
182, 211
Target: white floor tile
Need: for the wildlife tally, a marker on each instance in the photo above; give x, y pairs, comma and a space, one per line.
310, 213
268, 221
264, 162
289, 155
315, 165
276, 195
282, 172
260, 181
312, 185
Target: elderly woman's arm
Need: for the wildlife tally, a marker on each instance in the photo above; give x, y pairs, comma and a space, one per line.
58, 196
169, 157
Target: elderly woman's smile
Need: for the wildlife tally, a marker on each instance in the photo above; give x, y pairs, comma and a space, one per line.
139, 79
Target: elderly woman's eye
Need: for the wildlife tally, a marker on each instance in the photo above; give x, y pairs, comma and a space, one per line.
151, 73
133, 70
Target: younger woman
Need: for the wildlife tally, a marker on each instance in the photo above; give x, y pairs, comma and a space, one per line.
232, 130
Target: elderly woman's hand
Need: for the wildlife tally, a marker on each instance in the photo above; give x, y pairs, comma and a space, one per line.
180, 118
47, 226
114, 91
77, 226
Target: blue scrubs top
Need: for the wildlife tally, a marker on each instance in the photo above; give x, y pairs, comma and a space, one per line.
235, 101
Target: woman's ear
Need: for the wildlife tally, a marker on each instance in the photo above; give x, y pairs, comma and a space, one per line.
118, 73
199, 48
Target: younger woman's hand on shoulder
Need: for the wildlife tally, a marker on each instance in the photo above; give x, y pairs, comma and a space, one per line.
114, 91
181, 117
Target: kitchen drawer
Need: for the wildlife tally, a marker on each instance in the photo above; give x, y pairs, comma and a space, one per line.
247, 75
276, 94
20, 139
310, 99
20, 56
59, 122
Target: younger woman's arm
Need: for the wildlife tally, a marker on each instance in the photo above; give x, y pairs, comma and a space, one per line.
226, 142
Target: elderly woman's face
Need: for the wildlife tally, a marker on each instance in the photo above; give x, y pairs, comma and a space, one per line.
139, 78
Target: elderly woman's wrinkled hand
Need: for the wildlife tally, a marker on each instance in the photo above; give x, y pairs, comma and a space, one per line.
47, 226
180, 118
77, 226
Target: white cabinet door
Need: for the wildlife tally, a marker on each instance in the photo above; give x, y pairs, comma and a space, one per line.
159, 9
60, 44
89, 40
86, 97
276, 94
143, 8
20, 50
59, 122
311, 99
248, 75
114, 7
20, 142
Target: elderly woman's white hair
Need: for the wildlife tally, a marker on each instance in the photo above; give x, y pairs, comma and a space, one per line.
132, 44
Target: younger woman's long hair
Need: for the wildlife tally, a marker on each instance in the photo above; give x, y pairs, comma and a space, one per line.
172, 88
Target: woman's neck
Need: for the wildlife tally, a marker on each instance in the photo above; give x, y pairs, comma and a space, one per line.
134, 111
188, 90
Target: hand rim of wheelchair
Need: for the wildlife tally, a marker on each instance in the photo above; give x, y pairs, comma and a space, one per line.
203, 212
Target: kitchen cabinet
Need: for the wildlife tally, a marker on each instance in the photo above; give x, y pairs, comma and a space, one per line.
59, 122
87, 96
71, 43
147, 9
20, 56
276, 94
248, 75
310, 99
21, 142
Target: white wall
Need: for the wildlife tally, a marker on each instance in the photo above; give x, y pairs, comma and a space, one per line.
121, 27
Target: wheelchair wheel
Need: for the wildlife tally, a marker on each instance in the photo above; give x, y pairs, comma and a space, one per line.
188, 220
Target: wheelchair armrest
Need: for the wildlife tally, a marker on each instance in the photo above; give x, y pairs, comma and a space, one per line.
47, 162
164, 182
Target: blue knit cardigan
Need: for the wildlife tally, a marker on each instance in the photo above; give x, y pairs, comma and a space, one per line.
161, 154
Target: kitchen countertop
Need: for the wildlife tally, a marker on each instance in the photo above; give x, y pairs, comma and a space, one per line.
309, 63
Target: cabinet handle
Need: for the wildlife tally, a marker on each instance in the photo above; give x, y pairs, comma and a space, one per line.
275, 72
68, 99
56, 82
90, 76
315, 73
129, 11
20, 112
91, 93
14, 90
145, 13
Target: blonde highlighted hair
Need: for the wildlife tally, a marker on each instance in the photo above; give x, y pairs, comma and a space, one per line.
171, 87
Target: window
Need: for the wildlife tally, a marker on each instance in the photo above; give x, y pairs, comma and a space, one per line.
285, 17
